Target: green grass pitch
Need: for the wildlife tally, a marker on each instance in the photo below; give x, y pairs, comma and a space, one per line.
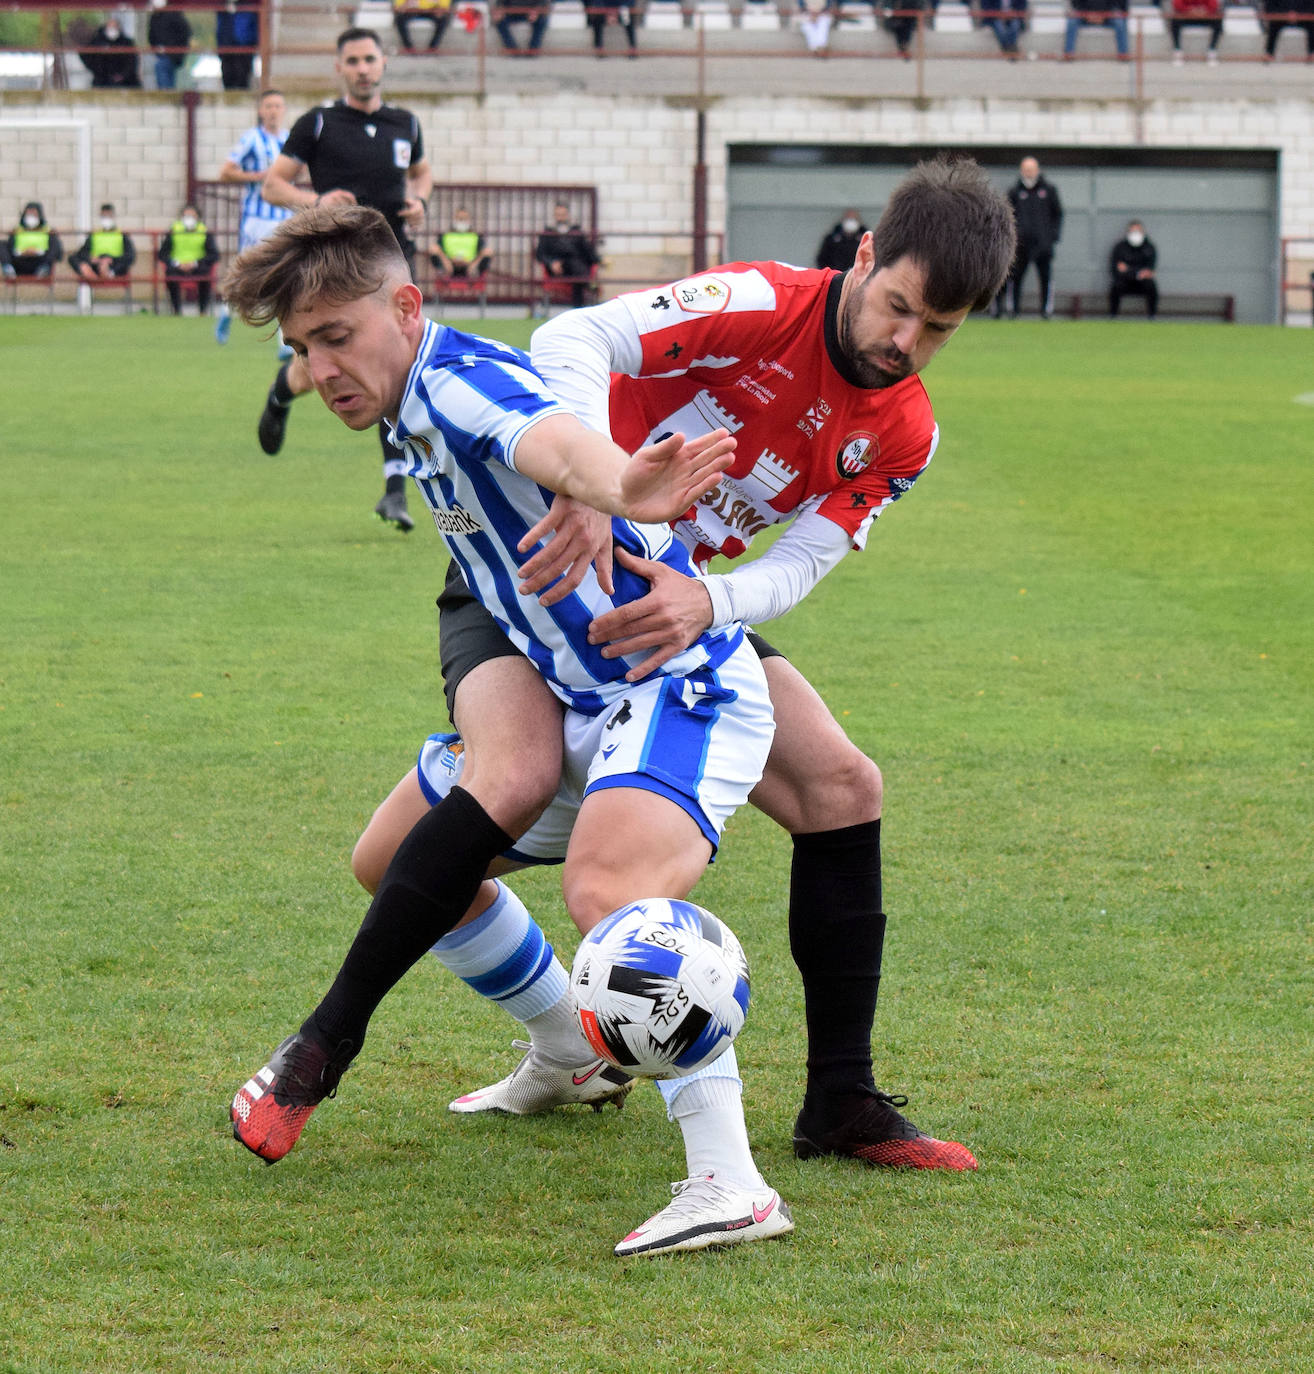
1082, 651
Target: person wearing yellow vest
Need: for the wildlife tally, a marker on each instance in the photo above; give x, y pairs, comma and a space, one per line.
33, 248
107, 253
460, 253
189, 254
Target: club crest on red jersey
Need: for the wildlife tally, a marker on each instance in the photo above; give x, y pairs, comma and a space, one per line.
856, 454
702, 295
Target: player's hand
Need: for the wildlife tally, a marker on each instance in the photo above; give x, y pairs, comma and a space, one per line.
663, 480
412, 213
676, 610
337, 197
577, 536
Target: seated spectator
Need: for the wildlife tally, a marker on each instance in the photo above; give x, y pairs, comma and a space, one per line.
33, 248
1110, 14
536, 16
407, 12
107, 252
603, 12
189, 253
461, 254
1287, 14
1131, 270
236, 28
169, 35
814, 22
840, 246
899, 18
1195, 14
566, 253
106, 59
1007, 20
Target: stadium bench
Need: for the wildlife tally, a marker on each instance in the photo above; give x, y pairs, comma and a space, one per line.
31, 285
1176, 304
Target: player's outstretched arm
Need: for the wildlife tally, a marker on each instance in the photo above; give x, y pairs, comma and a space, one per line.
660, 482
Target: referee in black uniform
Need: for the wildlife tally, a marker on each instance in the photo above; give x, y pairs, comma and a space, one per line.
363, 152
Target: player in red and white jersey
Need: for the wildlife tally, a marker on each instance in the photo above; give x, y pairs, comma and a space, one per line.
815, 373
809, 439
757, 348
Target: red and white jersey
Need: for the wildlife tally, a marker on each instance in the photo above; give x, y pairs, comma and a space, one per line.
747, 347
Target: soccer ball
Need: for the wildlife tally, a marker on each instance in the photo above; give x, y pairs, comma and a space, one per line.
661, 988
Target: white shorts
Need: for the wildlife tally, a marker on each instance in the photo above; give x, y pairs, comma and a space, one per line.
699, 740
255, 230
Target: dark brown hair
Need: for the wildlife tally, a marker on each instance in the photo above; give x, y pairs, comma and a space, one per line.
948, 218
358, 35
332, 253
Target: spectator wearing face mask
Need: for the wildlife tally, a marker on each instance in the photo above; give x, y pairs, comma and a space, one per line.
32, 248
111, 57
460, 253
107, 252
1038, 213
1131, 269
840, 246
189, 253
567, 253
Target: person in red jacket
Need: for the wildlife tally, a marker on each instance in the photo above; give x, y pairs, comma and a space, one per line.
1195, 14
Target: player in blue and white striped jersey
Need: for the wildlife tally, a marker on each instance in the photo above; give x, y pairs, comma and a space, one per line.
251, 157
662, 762
247, 163
467, 404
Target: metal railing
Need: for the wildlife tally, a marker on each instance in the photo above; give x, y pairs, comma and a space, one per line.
862, 29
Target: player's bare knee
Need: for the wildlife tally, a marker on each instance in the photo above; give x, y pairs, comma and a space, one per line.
847, 790
864, 786
589, 895
514, 790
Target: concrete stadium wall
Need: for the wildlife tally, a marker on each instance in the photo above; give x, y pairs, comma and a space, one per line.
639, 151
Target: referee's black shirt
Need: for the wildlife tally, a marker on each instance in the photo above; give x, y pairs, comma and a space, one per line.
366, 154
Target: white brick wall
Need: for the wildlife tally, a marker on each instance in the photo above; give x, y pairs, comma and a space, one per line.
639, 150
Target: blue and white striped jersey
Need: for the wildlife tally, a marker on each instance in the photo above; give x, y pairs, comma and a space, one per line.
468, 402
256, 153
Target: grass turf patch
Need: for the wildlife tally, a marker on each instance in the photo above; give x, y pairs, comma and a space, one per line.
1080, 651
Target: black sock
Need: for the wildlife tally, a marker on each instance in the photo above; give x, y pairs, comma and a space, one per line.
836, 935
392, 481
425, 891
280, 393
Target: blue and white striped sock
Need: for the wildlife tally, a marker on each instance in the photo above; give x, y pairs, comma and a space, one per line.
505, 957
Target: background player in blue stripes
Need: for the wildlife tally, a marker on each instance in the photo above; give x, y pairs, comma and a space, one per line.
656, 766
247, 164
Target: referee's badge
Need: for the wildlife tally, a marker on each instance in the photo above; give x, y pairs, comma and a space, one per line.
401, 153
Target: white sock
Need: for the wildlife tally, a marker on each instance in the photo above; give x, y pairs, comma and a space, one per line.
395, 467
709, 1109
505, 957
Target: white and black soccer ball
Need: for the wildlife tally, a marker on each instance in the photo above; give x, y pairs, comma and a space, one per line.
661, 988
